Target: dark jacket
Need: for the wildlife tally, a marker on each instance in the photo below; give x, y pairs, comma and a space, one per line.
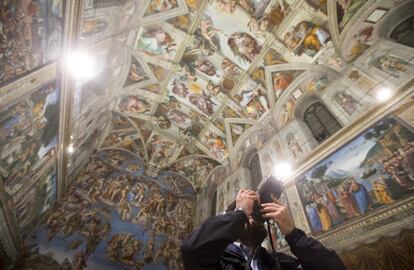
208, 247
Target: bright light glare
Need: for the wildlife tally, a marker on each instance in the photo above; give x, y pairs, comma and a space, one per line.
283, 170
71, 149
384, 94
81, 65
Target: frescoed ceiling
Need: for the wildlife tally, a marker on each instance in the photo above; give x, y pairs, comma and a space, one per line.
185, 79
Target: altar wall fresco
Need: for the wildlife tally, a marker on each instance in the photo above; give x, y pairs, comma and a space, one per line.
115, 215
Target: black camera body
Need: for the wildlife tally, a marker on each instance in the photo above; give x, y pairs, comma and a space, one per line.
270, 186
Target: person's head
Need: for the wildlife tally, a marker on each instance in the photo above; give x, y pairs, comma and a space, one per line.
255, 232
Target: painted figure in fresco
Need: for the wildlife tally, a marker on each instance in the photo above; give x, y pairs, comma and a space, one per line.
246, 96
213, 89
306, 37
316, 84
381, 193
157, 6
66, 265
243, 46
209, 32
395, 189
347, 102
216, 145
163, 122
254, 7
256, 27
313, 36
360, 43
393, 65
228, 6
348, 9
281, 80
333, 210
159, 148
207, 67
262, 25
294, 147
122, 248
257, 7
92, 27
149, 250
157, 42
335, 62
134, 104
407, 159
79, 261
180, 89
202, 102
348, 202
136, 73
230, 69
179, 118
324, 215
361, 195
361, 80
287, 113
314, 217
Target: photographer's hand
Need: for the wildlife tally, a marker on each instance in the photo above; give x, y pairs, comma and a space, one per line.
280, 214
245, 200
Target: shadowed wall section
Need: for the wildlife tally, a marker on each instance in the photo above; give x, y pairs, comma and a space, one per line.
388, 253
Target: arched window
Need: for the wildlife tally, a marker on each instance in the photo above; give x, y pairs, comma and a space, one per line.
404, 32
255, 170
320, 121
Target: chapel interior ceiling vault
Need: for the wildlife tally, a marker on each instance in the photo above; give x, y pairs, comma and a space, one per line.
185, 81
189, 101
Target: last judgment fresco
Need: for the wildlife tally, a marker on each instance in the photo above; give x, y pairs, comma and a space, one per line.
115, 216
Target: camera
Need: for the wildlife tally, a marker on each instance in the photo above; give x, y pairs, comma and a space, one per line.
270, 186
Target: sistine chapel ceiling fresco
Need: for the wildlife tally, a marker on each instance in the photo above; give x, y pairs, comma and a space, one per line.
179, 86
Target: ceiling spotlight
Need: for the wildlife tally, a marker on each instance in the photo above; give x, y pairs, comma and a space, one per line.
81, 65
71, 149
283, 170
383, 94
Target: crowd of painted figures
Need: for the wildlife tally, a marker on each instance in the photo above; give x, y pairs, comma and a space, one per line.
24, 41
196, 170
102, 194
352, 199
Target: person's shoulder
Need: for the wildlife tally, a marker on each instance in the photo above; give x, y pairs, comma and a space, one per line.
287, 261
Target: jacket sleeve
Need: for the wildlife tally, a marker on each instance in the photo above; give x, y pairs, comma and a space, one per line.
206, 244
311, 254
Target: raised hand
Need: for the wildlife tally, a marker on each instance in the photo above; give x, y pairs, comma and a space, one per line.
280, 214
245, 199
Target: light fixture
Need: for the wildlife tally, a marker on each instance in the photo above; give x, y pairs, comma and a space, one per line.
71, 149
283, 170
81, 65
383, 94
